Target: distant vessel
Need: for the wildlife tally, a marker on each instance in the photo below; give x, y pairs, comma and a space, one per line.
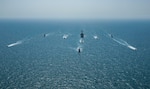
82, 35
44, 35
79, 50
111, 35
65, 36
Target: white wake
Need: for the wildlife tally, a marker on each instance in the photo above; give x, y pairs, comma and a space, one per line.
81, 40
95, 37
80, 46
14, 44
77, 48
124, 43
65, 36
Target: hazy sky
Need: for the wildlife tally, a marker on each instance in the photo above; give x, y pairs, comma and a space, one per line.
75, 9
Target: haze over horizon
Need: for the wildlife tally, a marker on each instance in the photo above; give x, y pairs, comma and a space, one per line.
75, 9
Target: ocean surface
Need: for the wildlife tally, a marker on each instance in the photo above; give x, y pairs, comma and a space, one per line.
38, 54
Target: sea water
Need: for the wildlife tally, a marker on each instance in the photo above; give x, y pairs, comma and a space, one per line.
30, 60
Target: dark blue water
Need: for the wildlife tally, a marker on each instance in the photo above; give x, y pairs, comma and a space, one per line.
28, 60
